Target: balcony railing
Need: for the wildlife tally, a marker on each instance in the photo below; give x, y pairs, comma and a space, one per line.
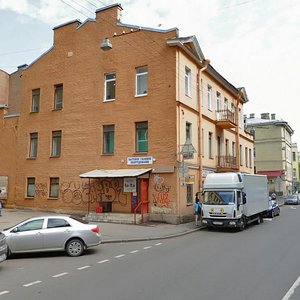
226, 163
225, 118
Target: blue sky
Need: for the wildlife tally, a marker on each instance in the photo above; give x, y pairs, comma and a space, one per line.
252, 43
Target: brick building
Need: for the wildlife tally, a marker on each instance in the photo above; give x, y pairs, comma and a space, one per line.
119, 116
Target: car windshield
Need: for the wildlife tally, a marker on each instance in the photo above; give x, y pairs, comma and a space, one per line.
218, 197
292, 197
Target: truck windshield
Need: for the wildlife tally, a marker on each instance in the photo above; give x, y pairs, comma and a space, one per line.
218, 197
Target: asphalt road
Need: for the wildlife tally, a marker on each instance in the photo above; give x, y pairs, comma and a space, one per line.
260, 263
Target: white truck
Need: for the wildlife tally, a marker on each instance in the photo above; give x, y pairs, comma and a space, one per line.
234, 199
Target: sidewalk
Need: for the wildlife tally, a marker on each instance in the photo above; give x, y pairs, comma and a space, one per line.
111, 232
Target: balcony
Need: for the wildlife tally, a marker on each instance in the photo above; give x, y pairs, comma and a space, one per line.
225, 119
226, 163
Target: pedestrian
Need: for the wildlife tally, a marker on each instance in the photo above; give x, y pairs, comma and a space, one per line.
197, 209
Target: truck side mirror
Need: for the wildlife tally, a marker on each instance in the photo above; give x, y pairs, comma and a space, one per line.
244, 198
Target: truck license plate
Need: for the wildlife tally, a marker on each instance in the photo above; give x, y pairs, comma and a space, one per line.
217, 223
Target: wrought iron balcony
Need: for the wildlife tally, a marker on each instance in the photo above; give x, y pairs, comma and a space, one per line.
225, 118
226, 163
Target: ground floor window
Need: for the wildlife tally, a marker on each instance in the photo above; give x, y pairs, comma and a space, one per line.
30, 187
54, 187
189, 194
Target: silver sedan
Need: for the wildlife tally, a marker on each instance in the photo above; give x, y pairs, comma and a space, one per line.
52, 233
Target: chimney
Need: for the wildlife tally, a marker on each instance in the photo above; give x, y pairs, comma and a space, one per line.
273, 116
252, 116
265, 116
110, 13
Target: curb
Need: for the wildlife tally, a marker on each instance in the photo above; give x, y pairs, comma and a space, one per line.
151, 238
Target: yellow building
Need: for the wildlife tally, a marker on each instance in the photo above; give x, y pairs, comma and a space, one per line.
122, 117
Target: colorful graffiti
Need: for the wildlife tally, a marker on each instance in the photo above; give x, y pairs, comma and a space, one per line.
161, 196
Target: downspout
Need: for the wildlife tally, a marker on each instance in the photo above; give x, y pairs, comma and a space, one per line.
237, 137
199, 87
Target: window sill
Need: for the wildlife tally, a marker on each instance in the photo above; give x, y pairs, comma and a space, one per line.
31, 158
189, 204
53, 198
107, 154
109, 100
33, 112
139, 153
55, 156
142, 95
29, 198
56, 109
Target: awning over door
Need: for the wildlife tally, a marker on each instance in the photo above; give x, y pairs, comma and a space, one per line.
119, 173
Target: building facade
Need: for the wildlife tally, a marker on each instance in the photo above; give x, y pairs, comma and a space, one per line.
122, 117
273, 151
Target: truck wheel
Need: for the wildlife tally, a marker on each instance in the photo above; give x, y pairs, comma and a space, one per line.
242, 225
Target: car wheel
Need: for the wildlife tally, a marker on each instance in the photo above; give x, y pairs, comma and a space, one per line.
278, 212
75, 247
272, 214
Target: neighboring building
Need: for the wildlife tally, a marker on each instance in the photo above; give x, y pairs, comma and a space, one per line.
295, 164
121, 116
273, 151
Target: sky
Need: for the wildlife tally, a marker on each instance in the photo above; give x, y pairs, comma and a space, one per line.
252, 43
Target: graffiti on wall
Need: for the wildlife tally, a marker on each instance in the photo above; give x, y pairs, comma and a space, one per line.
41, 190
161, 197
95, 192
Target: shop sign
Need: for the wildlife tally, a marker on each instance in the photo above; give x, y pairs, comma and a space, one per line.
144, 160
129, 185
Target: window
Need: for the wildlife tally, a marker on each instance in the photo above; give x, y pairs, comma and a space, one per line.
110, 87
56, 143
241, 155
30, 187
250, 158
210, 145
35, 104
33, 145
32, 225
246, 156
227, 147
233, 149
189, 193
58, 97
141, 136
209, 100
225, 103
56, 223
218, 101
54, 187
108, 139
188, 132
294, 156
141, 81
188, 81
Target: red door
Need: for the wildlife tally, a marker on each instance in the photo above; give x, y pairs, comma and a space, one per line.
144, 195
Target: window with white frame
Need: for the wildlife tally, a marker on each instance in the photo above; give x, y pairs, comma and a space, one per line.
218, 101
110, 87
58, 97
30, 187
141, 81
54, 187
225, 104
209, 97
210, 145
188, 82
35, 105
33, 145
241, 155
56, 143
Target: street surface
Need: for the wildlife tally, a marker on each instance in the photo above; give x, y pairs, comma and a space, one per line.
260, 263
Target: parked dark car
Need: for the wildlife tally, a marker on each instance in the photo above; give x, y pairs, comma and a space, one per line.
273, 210
3, 247
292, 199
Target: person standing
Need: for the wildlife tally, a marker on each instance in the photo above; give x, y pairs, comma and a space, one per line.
197, 209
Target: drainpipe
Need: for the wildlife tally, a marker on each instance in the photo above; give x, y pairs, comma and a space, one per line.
237, 130
200, 150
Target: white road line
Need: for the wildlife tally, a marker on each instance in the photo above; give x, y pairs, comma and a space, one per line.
148, 247
59, 275
103, 261
84, 267
158, 244
4, 292
292, 289
118, 256
134, 251
31, 283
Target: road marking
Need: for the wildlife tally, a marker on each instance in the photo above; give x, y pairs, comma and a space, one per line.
59, 275
118, 256
292, 289
103, 261
134, 251
4, 292
148, 247
158, 244
31, 283
84, 267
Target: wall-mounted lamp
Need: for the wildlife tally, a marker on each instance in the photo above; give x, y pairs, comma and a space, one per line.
106, 45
